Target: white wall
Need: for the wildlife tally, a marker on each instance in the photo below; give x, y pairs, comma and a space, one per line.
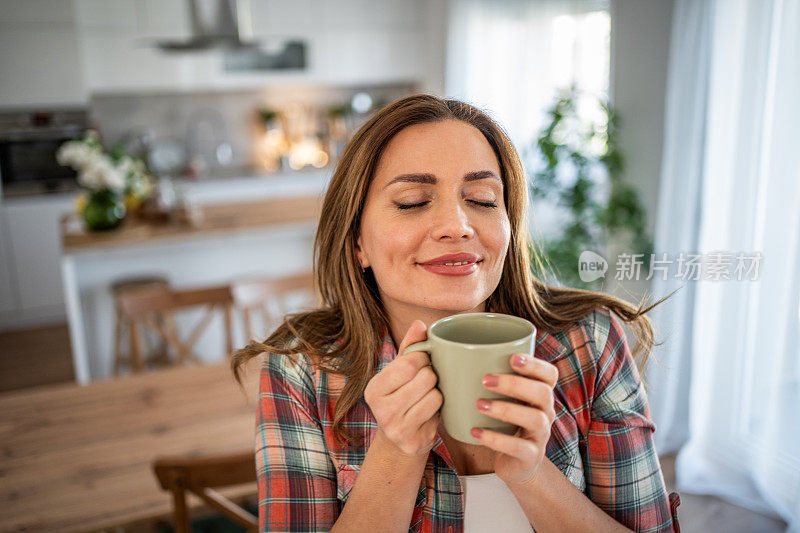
434, 57
40, 59
62, 51
640, 32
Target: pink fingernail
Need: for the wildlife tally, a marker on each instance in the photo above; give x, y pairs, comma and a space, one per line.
476, 432
519, 360
490, 380
484, 405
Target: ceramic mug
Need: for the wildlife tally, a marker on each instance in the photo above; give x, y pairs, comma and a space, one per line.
463, 349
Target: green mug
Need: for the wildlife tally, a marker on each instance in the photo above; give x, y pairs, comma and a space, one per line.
463, 349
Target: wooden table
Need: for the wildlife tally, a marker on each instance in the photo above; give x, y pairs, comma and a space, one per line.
78, 458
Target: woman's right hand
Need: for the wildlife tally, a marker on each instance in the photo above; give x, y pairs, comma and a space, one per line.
404, 399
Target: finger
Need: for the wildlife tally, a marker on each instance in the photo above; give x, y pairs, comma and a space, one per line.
427, 407
404, 367
417, 332
536, 421
399, 372
518, 447
429, 428
414, 390
534, 368
531, 391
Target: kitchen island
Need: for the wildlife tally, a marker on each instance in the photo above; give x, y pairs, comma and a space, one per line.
268, 237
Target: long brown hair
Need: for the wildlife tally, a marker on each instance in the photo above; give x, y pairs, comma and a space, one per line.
342, 335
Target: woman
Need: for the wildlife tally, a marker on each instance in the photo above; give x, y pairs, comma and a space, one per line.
348, 434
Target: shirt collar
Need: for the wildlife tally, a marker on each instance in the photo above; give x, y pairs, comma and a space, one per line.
548, 348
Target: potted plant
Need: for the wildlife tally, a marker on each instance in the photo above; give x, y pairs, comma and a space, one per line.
578, 166
114, 183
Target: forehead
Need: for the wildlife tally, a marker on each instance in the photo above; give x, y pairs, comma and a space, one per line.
450, 147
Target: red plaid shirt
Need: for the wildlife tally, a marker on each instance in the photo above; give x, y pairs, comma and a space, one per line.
601, 439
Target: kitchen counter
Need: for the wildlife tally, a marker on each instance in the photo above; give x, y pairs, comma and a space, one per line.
264, 234
212, 219
31, 282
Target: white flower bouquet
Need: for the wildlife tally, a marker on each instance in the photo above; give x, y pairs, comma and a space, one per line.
115, 183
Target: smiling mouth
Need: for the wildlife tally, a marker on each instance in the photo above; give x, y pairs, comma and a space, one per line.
450, 263
456, 264
452, 268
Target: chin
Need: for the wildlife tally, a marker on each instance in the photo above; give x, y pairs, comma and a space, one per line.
456, 305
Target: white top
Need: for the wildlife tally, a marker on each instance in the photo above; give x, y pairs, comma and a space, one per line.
491, 506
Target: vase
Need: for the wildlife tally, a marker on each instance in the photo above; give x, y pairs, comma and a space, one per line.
104, 211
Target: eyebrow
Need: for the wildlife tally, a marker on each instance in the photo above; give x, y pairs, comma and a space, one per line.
431, 179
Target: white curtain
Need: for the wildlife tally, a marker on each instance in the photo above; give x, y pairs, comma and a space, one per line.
727, 392
678, 216
509, 57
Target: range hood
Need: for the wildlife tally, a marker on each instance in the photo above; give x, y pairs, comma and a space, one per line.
216, 24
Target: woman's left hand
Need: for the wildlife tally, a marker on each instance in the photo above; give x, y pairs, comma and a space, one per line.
519, 456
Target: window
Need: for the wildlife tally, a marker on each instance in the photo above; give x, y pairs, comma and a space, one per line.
512, 57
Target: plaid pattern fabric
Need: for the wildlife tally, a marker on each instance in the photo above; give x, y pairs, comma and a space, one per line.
601, 439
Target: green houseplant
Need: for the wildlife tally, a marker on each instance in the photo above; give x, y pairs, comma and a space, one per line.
579, 167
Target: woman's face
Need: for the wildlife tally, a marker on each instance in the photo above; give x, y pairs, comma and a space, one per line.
436, 192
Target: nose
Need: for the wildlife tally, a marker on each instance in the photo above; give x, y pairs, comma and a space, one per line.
452, 222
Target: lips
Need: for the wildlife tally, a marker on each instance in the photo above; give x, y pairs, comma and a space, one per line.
461, 264
462, 257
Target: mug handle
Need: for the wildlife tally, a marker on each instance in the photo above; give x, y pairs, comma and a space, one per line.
424, 346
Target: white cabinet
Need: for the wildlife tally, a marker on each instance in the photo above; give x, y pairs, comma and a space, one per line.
296, 18
378, 41
139, 18
358, 15
42, 13
60, 51
31, 227
40, 63
368, 56
118, 41
9, 300
165, 18
118, 45
351, 41
106, 15
348, 42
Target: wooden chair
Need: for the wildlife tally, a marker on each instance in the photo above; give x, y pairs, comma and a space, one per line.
141, 309
201, 476
121, 324
269, 299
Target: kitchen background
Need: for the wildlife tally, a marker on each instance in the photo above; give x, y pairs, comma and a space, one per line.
240, 110
102, 60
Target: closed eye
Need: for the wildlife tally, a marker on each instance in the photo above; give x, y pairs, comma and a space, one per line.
409, 206
421, 204
483, 204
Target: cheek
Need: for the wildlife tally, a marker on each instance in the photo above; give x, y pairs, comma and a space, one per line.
390, 244
498, 236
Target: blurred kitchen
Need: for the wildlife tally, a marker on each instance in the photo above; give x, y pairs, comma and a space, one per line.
163, 164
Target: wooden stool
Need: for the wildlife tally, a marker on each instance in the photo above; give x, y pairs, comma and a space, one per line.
127, 285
